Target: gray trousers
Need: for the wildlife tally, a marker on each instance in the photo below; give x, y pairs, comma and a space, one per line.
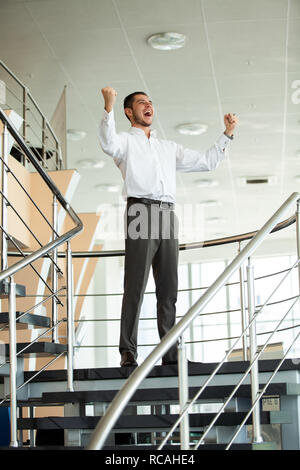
151, 240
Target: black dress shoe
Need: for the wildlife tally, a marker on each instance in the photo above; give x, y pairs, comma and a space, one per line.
127, 359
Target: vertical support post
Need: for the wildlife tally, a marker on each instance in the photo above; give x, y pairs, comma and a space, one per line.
298, 238
192, 326
183, 394
70, 317
24, 117
13, 364
54, 275
4, 203
243, 307
254, 376
57, 160
44, 163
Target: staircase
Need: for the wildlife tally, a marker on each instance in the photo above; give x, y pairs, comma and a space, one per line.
154, 407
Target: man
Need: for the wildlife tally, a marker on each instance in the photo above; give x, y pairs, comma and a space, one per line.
148, 166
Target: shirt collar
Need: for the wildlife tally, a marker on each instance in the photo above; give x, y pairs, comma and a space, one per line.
138, 131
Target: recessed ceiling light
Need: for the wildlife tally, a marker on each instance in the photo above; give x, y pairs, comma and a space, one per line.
206, 183
210, 203
214, 220
85, 164
111, 188
75, 135
192, 128
167, 41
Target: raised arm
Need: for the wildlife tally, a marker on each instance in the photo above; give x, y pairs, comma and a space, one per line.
111, 142
188, 160
109, 95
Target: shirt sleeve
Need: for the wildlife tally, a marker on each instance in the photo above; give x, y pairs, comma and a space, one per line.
188, 160
112, 144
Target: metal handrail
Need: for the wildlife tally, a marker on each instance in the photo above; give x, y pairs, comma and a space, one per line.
55, 191
189, 246
118, 404
26, 92
258, 354
8, 272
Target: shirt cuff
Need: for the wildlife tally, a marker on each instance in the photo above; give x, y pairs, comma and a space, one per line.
108, 116
223, 141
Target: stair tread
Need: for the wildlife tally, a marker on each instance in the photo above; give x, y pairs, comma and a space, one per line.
197, 368
157, 394
139, 421
26, 320
41, 347
4, 289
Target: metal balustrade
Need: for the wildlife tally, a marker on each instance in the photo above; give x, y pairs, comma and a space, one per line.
237, 265
36, 130
48, 250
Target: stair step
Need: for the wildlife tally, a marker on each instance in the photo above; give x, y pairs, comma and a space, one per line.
211, 447
42, 348
158, 395
195, 369
37, 321
146, 423
149, 447
5, 286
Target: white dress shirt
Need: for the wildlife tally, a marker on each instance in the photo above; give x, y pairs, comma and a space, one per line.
149, 165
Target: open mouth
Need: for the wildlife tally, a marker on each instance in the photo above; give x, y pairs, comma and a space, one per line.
148, 114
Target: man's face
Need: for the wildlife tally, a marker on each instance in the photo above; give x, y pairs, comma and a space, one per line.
142, 111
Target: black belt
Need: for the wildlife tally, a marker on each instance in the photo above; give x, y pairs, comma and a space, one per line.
144, 200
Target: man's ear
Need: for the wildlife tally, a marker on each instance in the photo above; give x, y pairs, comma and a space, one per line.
128, 112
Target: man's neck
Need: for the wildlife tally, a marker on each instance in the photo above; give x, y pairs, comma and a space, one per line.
146, 129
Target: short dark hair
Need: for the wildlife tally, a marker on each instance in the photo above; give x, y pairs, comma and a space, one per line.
128, 101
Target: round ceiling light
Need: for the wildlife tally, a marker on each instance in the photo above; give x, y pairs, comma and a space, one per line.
111, 188
86, 164
214, 220
167, 41
75, 135
210, 203
192, 128
205, 183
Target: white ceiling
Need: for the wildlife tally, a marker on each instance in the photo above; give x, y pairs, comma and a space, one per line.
241, 56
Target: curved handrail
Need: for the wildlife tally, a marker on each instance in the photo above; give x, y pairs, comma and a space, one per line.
118, 404
55, 191
183, 246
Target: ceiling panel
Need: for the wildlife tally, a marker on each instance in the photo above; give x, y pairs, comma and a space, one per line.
137, 13
240, 56
56, 16
231, 10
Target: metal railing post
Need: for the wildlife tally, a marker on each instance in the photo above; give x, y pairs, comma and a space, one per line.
183, 385
54, 274
298, 237
70, 318
24, 119
43, 155
4, 201
13, 364
243, 308
254, 376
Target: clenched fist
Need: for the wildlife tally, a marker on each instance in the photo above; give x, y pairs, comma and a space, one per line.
230, 121
109, 95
